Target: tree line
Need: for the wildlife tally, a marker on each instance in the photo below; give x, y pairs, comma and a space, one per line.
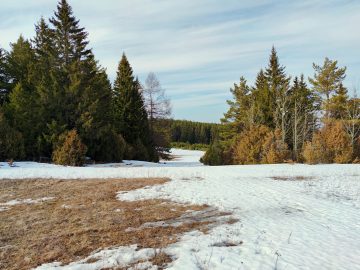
57, 102
192, 132
284, 119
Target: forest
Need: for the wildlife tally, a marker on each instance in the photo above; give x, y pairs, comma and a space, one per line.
57, 103
284, 119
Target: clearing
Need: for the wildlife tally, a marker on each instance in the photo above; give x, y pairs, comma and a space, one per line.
282, 216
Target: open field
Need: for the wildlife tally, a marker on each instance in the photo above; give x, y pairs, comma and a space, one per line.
68, 220
287, 216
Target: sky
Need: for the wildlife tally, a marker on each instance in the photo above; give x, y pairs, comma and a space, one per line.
199, 48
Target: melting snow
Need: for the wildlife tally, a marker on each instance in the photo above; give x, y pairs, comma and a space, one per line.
310, 224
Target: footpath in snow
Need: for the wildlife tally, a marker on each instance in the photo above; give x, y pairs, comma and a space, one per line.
290, 216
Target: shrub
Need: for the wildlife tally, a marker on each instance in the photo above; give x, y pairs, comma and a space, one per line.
274, 149
214, 155
249, 146
70, 150
11, 141
331, 144
338, 143
314, 151
107, 147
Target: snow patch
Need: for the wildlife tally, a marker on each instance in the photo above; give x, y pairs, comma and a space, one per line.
26, 201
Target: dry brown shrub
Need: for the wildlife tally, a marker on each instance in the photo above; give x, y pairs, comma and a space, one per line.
70, 150
330, 145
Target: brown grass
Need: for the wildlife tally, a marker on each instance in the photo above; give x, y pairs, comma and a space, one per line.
292, 178
83, 217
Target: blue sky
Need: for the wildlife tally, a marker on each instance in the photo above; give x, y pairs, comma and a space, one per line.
199, 48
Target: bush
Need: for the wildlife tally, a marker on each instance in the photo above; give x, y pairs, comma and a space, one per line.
249, 145
11, 141
107, 147
314, 151
330, 145
136, 151
274, 149
259, 144
214, 155
70, 151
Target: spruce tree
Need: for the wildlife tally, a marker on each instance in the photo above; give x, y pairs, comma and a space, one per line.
338, 103
70, 39
264, 104
80, 86
302, 115
237, 118
4, 78
130, 114
279, 87
23, 99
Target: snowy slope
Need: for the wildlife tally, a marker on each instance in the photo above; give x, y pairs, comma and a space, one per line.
310, 223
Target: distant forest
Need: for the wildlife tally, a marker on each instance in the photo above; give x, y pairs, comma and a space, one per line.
192, 132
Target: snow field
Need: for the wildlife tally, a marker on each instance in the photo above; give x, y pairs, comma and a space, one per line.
312, 223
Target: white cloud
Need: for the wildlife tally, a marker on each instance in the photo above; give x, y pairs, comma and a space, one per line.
197, 47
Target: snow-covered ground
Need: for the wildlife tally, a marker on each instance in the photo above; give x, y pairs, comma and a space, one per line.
290, 216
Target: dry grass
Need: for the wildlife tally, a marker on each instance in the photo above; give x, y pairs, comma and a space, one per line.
84, 216
292, 178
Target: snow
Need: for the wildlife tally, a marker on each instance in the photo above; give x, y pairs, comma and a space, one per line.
114, 257
26, 201
310, 221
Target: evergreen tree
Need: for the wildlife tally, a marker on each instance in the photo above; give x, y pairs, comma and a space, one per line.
11, 141
80, 85
302, 113
23, 99
327, 79
264, 111
279, 87
337, 104
130, 114
70, 39
4, 78
239, 114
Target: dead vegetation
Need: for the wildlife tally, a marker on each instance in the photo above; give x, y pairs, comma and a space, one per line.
292, 178
85, 216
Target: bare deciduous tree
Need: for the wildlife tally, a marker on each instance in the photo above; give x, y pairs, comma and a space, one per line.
158, 109
352, 120
156, 103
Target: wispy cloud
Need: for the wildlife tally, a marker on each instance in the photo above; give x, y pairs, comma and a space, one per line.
199, 48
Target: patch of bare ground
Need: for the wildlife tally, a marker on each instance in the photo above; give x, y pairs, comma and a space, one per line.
292, 178
85, 216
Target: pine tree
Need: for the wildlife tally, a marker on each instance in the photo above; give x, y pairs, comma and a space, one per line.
327, 79
129, 112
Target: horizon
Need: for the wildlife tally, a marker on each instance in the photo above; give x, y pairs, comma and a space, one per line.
199, 50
